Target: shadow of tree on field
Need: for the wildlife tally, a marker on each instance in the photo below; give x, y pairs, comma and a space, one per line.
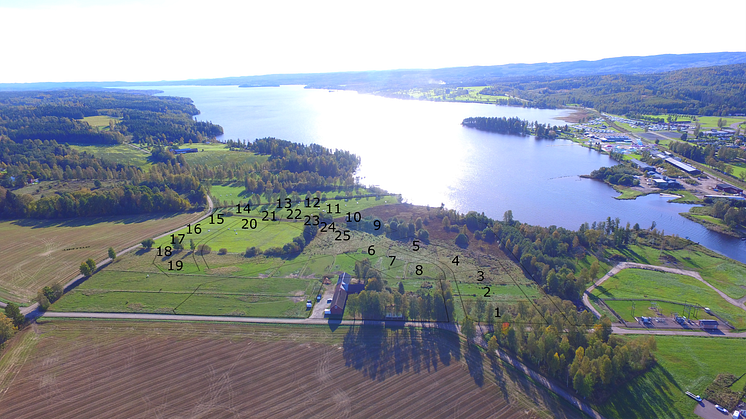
475, 363
646, 396
380, 352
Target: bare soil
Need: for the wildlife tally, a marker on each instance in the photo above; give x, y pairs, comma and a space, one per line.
186, 370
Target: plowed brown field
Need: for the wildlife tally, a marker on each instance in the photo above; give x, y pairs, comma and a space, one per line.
105, 369
44, 252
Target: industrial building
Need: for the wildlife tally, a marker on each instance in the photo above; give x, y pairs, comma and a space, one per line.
688, 169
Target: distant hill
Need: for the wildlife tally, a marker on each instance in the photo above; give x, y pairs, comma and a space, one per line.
718, 90
372, 81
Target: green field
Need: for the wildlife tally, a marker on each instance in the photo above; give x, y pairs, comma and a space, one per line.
217, 154
256, 228
232, 235
639, 283
712, 121
631, 309
101, 121
120, 153
724, 274
684, 364
257, 287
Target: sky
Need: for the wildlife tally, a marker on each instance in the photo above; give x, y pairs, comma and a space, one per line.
131, 40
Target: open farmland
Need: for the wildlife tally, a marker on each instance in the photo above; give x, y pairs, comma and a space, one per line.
37, 253
155, 369
185, 282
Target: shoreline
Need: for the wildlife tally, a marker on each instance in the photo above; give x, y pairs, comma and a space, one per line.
712, 226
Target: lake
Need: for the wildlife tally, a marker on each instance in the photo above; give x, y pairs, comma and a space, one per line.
420, 150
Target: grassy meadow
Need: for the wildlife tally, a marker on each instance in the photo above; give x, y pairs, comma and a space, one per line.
120, 153
724, 274
684, 364
639, 283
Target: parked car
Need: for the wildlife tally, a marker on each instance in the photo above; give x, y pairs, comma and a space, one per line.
721, 408
329, 301
318, 297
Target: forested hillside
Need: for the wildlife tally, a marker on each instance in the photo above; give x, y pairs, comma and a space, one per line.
696, 91
58, 115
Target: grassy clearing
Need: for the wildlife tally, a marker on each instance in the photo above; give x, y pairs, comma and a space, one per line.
639, 283
710, 122
217, 154
684, 364
50, 187
101, 122
686, 197
37, 253
628, 193
738, 169
120, 153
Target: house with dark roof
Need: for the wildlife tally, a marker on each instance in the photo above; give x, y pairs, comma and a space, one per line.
342, 289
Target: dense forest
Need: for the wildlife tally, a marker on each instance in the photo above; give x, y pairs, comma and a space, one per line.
693, 91
57, 115
514, 126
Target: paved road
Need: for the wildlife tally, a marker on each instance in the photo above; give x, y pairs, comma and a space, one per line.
32, 311
716, 334
264, 320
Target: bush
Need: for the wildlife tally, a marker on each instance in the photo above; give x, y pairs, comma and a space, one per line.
462, 241
203, 249
719, 391
252, 251
14, 313
148, 243
222, 251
